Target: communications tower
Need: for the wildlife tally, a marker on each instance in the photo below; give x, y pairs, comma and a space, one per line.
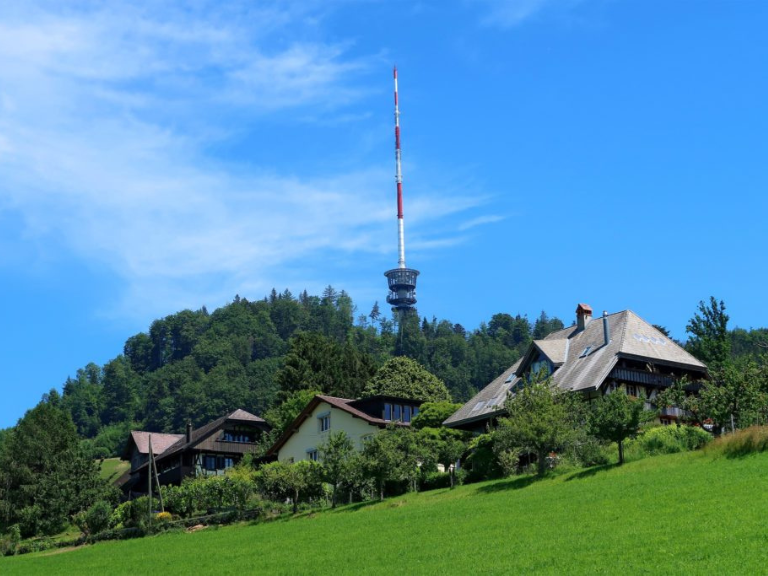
402, 280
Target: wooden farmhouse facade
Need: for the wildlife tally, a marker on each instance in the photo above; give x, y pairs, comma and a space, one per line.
205, 451
360, 419
618, 352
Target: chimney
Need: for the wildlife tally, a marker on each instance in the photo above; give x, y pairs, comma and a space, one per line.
606, 332
583, 315
189, 430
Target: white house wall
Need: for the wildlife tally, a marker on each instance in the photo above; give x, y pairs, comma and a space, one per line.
308, 437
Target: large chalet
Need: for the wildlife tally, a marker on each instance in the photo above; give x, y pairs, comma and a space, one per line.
208, 450
619, 351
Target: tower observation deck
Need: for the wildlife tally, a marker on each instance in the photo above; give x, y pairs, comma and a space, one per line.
402, 280
402, 288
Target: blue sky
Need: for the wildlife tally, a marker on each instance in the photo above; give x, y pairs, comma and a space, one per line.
156, 156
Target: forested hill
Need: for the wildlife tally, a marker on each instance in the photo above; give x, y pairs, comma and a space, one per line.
260, 356
197, 365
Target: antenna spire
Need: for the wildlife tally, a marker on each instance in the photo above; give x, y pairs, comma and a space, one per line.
399, 181
402, 280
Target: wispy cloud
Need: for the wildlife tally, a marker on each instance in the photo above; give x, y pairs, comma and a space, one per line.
480, 221
510, 13
106, 118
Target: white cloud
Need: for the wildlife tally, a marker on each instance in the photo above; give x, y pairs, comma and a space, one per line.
480, 221
510, 13
105, 119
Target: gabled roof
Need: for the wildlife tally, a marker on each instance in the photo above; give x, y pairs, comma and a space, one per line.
582, 360
160, 442
200, 434
489, 401
555, 350
345, 404
629, 337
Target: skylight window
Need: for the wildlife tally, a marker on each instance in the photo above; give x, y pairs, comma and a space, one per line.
586, 351
510, 378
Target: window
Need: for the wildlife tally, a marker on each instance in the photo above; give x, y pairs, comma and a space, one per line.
236, 436
209, 462
540, 364
401, 412
312, 455
325, 422
586, 352
631, 390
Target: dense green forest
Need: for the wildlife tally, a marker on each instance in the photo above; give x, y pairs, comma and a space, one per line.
196, 365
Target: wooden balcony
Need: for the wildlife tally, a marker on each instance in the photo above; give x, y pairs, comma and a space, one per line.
641, 377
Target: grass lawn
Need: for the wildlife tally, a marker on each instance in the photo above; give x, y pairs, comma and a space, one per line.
691, 513
113, 468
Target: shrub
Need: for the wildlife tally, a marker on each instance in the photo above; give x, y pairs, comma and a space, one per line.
10, 541
589, 451
434, 480
671, 439
509, 462
743, 442
133, 514
94, 520
205, 494
482, 463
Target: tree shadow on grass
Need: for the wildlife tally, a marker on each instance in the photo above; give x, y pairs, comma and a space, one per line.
354, 507
511, 484
589, 472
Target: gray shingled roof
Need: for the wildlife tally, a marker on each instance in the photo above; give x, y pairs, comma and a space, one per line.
488, 401
582, 359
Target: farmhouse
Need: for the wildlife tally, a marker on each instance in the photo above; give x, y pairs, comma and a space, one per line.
620, 351
360, 419
208, 450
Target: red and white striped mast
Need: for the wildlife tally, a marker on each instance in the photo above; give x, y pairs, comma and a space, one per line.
402, 280
399, 180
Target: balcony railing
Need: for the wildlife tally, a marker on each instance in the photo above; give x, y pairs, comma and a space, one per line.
641, 377
669, 412
674, 412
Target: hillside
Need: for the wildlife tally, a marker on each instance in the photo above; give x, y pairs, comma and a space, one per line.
683, 513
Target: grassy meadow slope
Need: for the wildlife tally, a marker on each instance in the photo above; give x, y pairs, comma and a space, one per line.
113, 468
683, 513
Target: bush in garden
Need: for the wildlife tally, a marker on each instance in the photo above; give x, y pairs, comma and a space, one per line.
94, 520
671, 439
482, 462
9, 541
434, 480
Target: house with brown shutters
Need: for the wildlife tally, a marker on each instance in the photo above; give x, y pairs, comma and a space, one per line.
360, 419
617, 352
205, 451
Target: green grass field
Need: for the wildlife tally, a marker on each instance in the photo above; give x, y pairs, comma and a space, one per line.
691, 513
113, 468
